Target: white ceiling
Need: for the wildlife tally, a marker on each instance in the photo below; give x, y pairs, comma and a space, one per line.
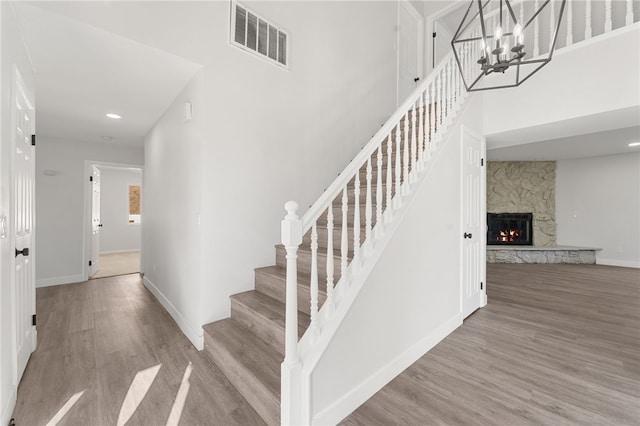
83, 73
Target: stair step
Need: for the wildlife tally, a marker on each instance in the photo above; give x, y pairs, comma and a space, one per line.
272, 281
337, 216
304, 261
323, 234
264, 316
251, 365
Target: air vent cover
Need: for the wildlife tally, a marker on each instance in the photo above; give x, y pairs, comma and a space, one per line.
252, 33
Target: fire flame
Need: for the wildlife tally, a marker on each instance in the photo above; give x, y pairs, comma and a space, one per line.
509, 235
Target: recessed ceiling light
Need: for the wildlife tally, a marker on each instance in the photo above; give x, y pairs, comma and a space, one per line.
114, 116
634, 144
107, 138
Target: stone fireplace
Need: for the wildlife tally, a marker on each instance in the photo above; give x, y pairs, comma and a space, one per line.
510, 229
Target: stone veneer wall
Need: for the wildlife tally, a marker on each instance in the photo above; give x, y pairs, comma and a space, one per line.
525, 187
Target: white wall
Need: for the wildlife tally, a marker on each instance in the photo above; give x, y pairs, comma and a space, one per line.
572, 85
270, 135
60, 203
117, 234
598, 205
171, 255
411, 300
12, 52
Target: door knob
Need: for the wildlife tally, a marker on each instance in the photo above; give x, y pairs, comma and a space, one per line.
24, 252
468, 235
100, 226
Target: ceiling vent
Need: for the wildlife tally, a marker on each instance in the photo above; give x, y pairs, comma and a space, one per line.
252, 33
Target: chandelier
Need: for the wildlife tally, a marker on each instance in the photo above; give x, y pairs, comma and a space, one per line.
496, 47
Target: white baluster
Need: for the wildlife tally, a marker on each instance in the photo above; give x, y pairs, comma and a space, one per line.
405, 157
344, 242
432, 115
379, 224
421, 141
536, 32
448, 91
629, 17
414, 143
587, 25
398, 169
440, 102
330, 302
314, 326
569, 23
389, 210
291, 237
427, 126
356, 225
607, 16
368, 208
552, 18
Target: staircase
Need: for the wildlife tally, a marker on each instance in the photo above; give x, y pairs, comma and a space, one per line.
249, 346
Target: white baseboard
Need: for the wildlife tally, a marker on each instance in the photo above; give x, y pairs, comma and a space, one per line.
7, 410
120, 251
195, 335
48, 282
615, 262
344, 406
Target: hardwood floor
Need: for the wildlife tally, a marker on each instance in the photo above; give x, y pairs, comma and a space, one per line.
556, 345
112, 264
95, 337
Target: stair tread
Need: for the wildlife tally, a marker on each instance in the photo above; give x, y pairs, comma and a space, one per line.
252, 353
307, 249
269, 309
280, 272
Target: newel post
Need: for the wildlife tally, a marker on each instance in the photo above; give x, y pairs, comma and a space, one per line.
291, 233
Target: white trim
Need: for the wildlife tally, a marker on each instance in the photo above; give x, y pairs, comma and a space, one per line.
67, 279
119, 251
616, 262
7, 410
344, 406
195, 335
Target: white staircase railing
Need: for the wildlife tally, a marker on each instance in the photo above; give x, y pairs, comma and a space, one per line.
397, 154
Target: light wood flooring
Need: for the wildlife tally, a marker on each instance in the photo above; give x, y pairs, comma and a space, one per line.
112, 264
94, 337
557, 344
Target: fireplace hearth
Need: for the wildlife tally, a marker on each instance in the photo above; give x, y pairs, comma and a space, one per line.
515, 229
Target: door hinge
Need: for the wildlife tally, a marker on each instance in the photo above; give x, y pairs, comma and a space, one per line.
481, 162
434, 34
33, 140
89, 263
33, 319
90, 178
12, 422
417, 79
481, 285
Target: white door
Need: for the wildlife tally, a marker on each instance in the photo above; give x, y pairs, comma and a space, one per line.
410, 49
95, 221
473, 220
23, 200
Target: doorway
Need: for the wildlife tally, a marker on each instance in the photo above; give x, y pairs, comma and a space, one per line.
114, 220
410, 49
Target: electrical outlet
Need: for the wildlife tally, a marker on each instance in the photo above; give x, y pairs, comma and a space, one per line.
619, 250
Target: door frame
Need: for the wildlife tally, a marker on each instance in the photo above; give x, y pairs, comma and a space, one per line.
465, 130
86, 216
420, 44
430, 26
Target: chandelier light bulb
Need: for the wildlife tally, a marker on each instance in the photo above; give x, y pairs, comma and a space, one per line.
498, 33
517, 34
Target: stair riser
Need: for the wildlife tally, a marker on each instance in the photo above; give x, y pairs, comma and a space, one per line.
323, 234
304, 264
276, 287
268, 331
256, 394
337, 217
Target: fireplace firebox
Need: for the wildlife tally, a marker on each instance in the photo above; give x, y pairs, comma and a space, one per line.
510, 229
